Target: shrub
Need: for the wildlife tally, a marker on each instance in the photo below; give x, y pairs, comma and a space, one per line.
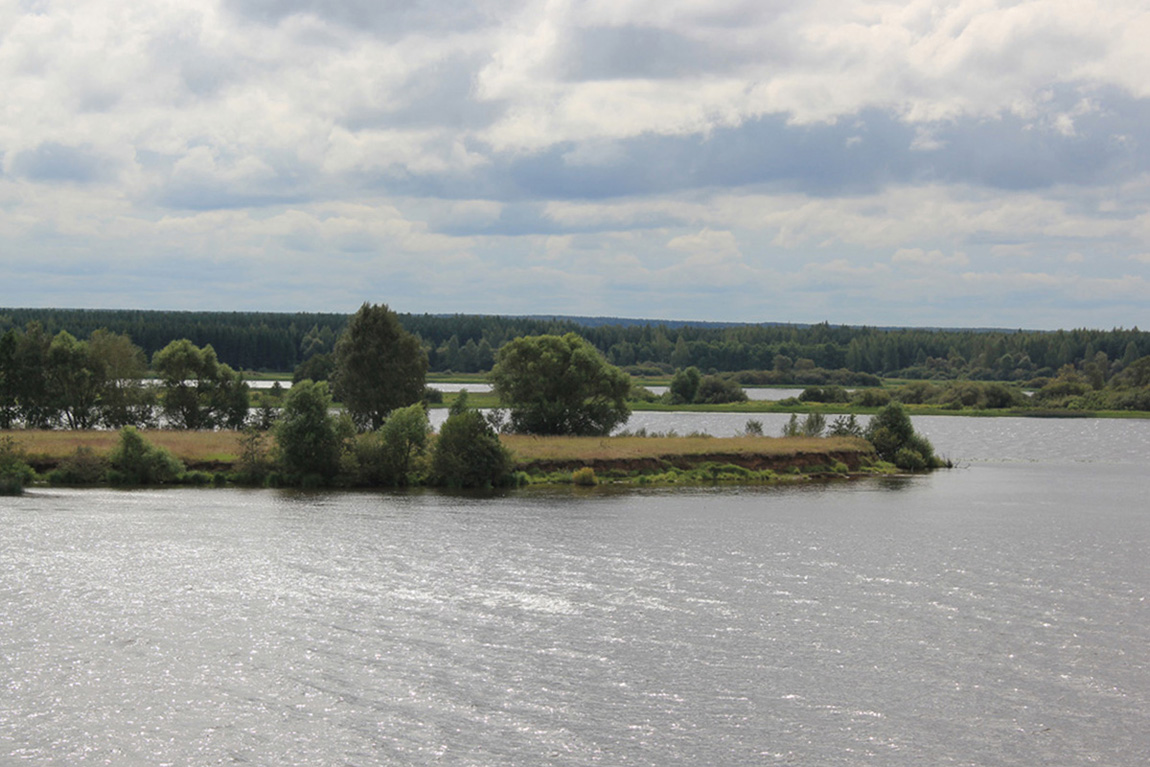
200, 478
83, 467
871, 398
684, 386
846, 426
585, 477
306, 434
814, 424
404, 438
15, 472
824, 394
895, 440
255, 458
135, 461
714, 390
468, 453
753, 428
909, 460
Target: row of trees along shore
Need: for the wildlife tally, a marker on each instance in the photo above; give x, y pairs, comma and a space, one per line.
764, 354
552, 385
107, 381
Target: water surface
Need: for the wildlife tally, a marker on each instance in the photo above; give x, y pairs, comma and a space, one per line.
991, 615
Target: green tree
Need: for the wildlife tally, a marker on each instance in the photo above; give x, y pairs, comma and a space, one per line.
685, 385
135, 461
714, 390
307, 435
27, 377
404, 437
379, 366
125, 398
895, 440
468, 453
15, 472
197, 391
74, 382
318, 367
560, 385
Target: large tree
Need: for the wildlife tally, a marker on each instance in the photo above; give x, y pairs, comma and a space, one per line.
560, 385
379, 366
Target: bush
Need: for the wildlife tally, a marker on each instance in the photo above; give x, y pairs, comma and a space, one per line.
200, 478
871, 398
909, 460
684, 386
895, 440
135, 461
814, 424
309, 442
753, 428
846, 426
468, 453
585, 477
404, 438
824, 394
15, 472
714, 390
83, 467
255, 458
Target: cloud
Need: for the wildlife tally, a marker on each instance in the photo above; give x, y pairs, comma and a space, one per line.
51, 161
920, 257
704, 157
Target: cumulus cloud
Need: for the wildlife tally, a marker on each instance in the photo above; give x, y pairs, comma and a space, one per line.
920, 257
716, 152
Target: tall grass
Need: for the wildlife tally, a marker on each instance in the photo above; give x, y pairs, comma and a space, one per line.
188, 446
528, 449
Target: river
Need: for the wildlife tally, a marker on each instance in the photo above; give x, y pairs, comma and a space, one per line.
994, 614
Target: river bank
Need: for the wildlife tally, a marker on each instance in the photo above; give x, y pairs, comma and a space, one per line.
541, 460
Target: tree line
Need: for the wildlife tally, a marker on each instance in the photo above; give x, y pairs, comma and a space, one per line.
777, 354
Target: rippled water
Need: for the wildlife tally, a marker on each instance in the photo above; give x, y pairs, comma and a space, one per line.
991, 615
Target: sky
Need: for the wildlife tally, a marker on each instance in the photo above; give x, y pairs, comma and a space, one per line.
971, 163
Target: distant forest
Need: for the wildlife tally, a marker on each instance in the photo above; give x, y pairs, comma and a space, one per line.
263, 341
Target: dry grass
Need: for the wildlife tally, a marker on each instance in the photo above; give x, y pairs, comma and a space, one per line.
208, 446
528, 449
188, 446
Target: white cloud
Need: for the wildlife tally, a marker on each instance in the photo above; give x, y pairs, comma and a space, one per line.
720, 150
920, 257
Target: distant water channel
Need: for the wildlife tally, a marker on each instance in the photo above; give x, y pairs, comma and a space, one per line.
991, 615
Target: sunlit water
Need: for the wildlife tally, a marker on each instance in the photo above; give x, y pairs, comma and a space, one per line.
990, 615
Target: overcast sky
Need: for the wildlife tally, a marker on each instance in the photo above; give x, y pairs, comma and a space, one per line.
962, 163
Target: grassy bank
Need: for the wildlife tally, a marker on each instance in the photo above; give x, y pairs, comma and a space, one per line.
45, 449
644, 460
541, 459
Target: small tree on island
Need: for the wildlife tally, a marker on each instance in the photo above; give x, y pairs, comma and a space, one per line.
895, 440
379, 366
560, 385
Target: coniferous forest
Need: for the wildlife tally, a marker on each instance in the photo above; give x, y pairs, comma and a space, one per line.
767, 353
